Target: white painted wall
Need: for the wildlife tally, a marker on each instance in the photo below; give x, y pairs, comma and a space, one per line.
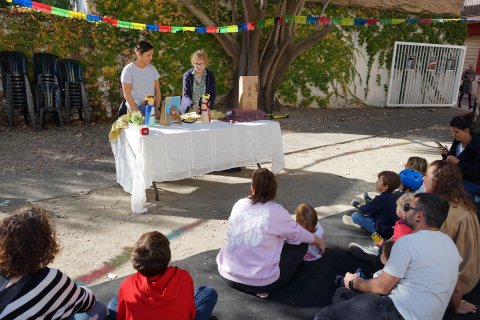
355, 94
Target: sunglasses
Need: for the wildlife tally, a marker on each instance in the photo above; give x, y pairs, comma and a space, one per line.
407, 207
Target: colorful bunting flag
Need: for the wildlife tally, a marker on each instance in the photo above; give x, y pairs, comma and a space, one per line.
323, 20
246, 26
312, 19
165, 29
347, 21
139, 26
212, 29
152, 27
269, 22
231, 29
337, 21
124, 24
360, 22
77, 15
300, 19
60, 12
113, 22
42, 7
200, 30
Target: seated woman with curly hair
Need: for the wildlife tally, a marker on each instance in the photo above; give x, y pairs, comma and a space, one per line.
28, 288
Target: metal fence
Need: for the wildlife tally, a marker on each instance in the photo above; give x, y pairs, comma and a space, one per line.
425, 74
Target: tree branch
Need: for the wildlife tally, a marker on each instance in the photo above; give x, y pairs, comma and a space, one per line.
228, 42
325, 7
303, 45
298, 48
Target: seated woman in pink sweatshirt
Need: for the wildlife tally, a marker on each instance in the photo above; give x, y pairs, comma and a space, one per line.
264, 244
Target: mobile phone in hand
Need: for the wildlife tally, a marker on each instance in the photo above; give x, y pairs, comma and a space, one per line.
441, 146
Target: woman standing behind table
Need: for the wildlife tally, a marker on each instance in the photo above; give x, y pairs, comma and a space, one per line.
465, 152
28, 288
197, 82
264, 244
140, 79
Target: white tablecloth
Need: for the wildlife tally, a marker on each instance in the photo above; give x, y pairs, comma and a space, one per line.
181, 151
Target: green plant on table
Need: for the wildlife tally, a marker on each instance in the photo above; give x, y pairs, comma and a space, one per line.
136, 117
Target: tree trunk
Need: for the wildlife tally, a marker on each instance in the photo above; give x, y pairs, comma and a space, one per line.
270, 62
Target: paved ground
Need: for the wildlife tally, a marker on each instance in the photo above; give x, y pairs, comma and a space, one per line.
327, 163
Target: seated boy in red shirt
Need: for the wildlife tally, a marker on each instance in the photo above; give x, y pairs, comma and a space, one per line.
159, 291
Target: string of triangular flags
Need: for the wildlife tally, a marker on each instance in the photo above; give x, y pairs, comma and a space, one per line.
248, 26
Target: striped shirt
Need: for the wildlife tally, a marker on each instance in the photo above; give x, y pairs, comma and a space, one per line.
48, 294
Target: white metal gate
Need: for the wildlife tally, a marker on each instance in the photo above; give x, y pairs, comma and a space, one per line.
425, 74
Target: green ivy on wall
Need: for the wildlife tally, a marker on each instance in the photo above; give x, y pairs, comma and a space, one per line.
328, 67
331, 63
103, 51
379, 39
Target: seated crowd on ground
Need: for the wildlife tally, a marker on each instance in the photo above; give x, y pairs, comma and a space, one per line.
426, 252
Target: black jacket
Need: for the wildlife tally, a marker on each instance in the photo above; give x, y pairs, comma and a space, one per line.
469, 159
383, 210
210, 88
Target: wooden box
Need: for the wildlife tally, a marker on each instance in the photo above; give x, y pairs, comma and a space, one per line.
248, 92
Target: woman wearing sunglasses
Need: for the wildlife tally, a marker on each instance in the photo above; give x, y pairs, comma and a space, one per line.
197, 82
445, 179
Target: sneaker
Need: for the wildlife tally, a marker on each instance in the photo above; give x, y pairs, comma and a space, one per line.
348, 221
364, 253
355, 203
263, 295
367, 198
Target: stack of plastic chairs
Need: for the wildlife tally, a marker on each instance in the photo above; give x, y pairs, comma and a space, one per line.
16, 87
75, 96
47, 90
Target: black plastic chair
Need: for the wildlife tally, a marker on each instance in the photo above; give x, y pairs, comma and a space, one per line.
16, 86
47, 90
75, 95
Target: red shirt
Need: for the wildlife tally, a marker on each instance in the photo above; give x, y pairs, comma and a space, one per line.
166, 296
400, 229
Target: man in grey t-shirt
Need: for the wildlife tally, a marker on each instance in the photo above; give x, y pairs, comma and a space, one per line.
419, 278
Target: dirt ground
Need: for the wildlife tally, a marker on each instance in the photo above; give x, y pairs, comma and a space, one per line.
331, 156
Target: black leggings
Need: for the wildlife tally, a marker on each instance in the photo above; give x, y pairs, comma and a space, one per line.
290, 259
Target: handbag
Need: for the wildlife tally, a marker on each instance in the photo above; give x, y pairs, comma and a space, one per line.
461, 87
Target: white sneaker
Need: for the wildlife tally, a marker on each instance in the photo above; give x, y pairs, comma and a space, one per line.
348, 221
364, 253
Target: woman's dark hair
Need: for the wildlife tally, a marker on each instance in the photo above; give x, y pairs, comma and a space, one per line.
143, 46
463, 122
151, 254
264, 186
448, 184
27, 242
306, 216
